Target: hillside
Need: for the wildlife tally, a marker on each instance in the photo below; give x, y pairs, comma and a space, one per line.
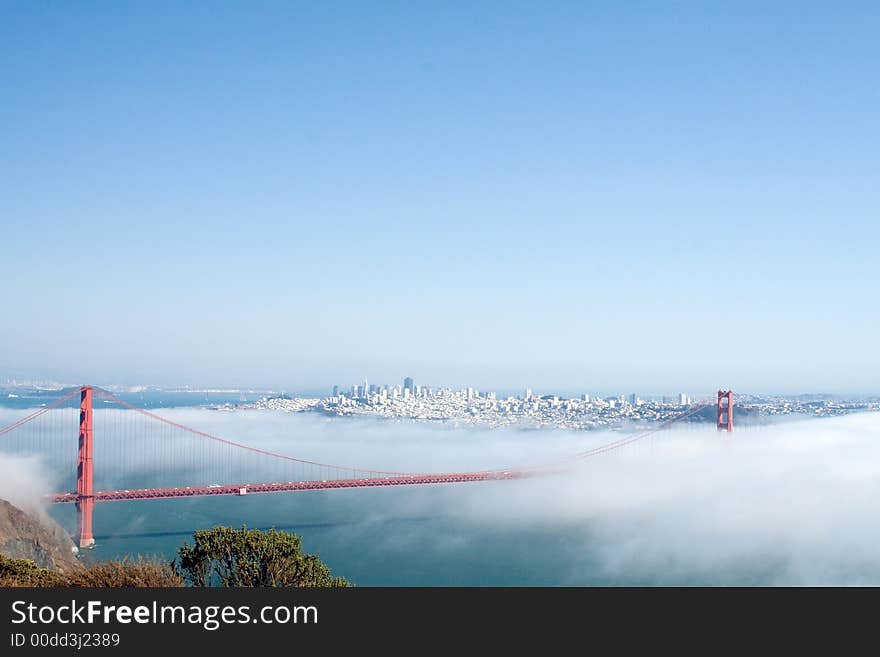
38, 538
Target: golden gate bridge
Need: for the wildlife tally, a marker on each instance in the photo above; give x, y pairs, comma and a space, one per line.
147, 461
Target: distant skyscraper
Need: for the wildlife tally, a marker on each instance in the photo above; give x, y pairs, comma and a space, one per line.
528, 395
586, 397
409, 385
683, 400
335, 391
633, 399
366, 387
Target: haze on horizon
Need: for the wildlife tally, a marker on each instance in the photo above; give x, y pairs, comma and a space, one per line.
503, 195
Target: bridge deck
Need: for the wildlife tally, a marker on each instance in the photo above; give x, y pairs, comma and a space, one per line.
247, 489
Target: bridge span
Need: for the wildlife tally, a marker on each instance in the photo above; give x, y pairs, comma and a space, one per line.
170, 444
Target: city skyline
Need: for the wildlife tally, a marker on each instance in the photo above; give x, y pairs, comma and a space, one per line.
410, 388
415, 389
469, 407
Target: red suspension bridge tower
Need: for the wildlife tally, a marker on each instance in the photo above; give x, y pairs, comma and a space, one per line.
725, 410
85, 500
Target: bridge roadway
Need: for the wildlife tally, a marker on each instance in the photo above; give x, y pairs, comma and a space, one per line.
327, 484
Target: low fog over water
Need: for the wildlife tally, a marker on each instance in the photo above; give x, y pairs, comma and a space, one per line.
790, 503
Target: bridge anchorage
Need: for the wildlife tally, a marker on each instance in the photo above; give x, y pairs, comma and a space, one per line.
226, 467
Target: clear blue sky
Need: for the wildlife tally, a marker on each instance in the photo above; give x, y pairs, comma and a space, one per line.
645, 196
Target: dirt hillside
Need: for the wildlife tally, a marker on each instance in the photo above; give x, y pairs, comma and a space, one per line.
39, 538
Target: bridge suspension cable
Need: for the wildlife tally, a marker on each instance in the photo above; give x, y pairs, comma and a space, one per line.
593, 451
232, 443
40, 411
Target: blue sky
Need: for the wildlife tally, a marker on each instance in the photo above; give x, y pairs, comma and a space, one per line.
574, 196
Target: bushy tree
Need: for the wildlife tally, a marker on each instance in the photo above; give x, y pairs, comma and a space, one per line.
224, 556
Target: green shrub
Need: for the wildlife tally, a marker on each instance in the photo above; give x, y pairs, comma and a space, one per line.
140, 572
224, 556
24, 572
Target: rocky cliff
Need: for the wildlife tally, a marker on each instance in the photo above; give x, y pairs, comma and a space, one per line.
35, 536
